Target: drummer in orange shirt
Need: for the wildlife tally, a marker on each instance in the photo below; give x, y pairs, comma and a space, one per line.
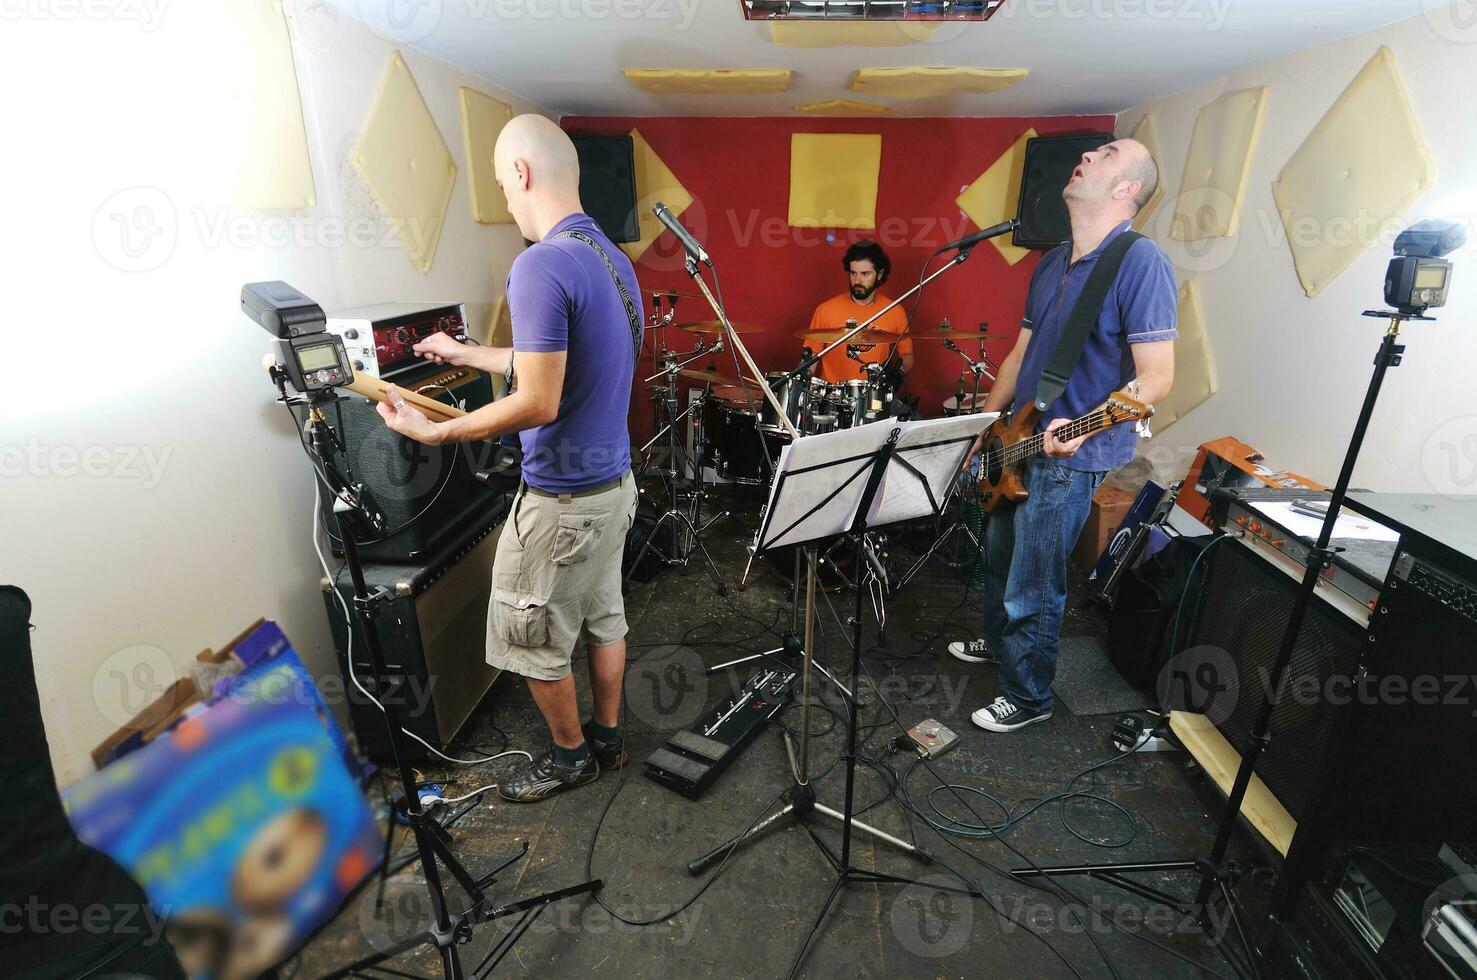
867, 267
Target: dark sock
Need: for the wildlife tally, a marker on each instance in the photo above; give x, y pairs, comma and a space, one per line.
571, 758
599, 733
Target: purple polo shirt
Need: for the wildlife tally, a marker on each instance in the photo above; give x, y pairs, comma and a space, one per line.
562, 298
1141, 305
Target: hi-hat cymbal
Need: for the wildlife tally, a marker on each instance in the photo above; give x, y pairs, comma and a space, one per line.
714, 327
947, 331
709, 377
829, 335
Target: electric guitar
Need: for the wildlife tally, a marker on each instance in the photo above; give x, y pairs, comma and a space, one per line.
1012, 439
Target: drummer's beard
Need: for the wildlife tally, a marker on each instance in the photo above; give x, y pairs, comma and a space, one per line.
863, 293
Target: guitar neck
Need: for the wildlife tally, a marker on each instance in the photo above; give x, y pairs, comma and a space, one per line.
1086, 425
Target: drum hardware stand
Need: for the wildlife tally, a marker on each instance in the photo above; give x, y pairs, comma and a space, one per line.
984, 366
1216, 873
356, 512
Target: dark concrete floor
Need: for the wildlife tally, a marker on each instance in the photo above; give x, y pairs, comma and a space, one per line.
753, 919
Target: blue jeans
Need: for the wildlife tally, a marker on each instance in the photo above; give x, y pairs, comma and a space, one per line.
1025, 590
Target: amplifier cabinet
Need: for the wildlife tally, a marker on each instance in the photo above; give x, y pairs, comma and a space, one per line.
1248, 600
433, 628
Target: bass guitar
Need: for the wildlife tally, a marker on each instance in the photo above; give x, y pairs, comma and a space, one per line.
1011, 440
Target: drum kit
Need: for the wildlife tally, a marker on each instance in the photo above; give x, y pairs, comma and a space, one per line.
739, 433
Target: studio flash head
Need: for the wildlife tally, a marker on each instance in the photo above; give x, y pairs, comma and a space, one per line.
1417, 277
312, 359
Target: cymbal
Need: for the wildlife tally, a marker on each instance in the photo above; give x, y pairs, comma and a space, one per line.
946, 331
671, 296
709, 377
828, 335
713, 327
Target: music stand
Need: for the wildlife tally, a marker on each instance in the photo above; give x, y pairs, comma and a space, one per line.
846, 483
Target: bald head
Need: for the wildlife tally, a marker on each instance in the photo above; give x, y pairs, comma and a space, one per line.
539, 172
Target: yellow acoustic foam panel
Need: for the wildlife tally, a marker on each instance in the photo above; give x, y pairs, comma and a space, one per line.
842, 107
926, 83
402, 156
654, 182
1218, 163
272, 170
878, 34
499, 324
995, 196
1148, 134
1361, 167
1194, 364
833, 179
709, 81
483, 118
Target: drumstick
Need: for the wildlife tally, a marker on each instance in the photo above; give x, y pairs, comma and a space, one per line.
374, 388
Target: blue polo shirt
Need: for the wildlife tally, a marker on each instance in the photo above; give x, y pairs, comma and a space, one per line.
1141, 306
562, 298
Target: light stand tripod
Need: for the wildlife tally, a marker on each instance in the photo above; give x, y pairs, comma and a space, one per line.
355, 512
1216, 874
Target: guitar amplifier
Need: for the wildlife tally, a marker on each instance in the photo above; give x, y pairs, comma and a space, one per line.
379, 338
433, 628
429, 494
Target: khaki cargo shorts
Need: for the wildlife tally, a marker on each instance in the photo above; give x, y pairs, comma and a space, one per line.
557, 579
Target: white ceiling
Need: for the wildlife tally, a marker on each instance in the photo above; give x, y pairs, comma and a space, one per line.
1085, 56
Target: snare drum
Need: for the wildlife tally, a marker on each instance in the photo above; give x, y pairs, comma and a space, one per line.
965, 404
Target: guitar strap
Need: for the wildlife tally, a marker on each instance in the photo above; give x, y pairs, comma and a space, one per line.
1058, 371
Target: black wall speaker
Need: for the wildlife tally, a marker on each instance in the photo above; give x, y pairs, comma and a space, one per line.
1246, 609
1050, 161
433, 629
608, 184
428, 493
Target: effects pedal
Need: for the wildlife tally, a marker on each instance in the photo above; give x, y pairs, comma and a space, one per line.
932, 738
692, 760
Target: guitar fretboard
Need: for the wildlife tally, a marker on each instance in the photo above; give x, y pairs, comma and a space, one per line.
1032, 445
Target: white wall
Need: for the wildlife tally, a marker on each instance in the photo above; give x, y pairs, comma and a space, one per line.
155, 499
1293, 370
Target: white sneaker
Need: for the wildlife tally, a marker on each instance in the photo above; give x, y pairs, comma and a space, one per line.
1001, 715
972, 651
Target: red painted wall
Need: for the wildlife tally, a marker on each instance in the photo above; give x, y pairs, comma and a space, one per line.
738, 172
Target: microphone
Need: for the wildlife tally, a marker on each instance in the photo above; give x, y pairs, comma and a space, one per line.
969, 241
666, 217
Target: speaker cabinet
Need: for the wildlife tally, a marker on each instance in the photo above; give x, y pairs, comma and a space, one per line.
608, 184
1050, 161
433, 628
1247, 605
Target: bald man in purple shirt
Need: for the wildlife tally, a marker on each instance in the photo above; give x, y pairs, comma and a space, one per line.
1027, 544
577, 326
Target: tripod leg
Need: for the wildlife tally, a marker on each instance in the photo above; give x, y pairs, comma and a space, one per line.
881, 835
648, 545
713, 572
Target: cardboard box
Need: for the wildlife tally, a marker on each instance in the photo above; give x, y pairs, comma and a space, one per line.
1109, 507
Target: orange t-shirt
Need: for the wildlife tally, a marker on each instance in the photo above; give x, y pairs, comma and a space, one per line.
833, 314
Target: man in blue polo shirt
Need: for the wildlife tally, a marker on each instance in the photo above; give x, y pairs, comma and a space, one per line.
1027, 545
577, 323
